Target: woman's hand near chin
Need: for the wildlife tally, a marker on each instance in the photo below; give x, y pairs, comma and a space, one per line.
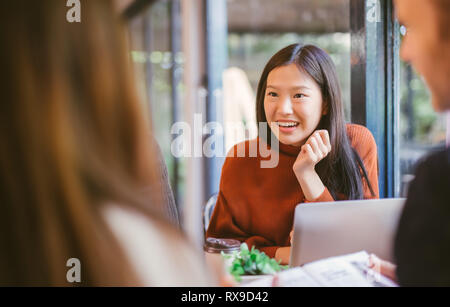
316, 148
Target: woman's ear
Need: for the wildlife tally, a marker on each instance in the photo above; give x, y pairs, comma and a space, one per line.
325, 109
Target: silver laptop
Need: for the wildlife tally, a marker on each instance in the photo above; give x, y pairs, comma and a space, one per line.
323, 230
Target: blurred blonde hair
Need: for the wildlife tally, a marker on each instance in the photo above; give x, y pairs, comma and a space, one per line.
73, 139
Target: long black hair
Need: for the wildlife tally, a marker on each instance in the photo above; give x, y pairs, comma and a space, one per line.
342, 171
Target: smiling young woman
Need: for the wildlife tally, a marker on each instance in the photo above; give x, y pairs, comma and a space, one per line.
320, 157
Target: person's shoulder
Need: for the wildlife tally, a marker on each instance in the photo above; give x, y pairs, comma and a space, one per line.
435, 163
359, 132
432, 179
241, 150
441, 157
147, 242
423, 226
241, 156
361, 139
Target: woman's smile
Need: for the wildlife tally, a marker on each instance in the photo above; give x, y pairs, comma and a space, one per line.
287, 127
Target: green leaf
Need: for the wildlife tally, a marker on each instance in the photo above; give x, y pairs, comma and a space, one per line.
244, 247
226, 256
252, 262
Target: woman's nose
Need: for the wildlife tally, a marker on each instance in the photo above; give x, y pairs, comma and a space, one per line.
285, 106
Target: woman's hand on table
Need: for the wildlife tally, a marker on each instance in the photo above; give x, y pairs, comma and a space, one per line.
383, 267
283, 254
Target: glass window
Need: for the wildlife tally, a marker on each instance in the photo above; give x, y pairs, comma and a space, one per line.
422, 130
257, 29
159, 75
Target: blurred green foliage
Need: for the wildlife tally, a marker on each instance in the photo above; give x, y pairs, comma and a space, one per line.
419, 123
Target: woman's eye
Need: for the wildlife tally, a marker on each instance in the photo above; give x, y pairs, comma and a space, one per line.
299, 96
272, 94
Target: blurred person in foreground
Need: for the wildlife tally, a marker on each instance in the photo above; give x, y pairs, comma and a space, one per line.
79, 175
422, 243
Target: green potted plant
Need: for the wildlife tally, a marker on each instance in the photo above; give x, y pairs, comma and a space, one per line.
247, 264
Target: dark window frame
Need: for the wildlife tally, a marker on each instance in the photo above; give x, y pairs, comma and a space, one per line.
375, 76
216, 37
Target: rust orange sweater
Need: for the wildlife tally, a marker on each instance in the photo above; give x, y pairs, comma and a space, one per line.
256, 205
